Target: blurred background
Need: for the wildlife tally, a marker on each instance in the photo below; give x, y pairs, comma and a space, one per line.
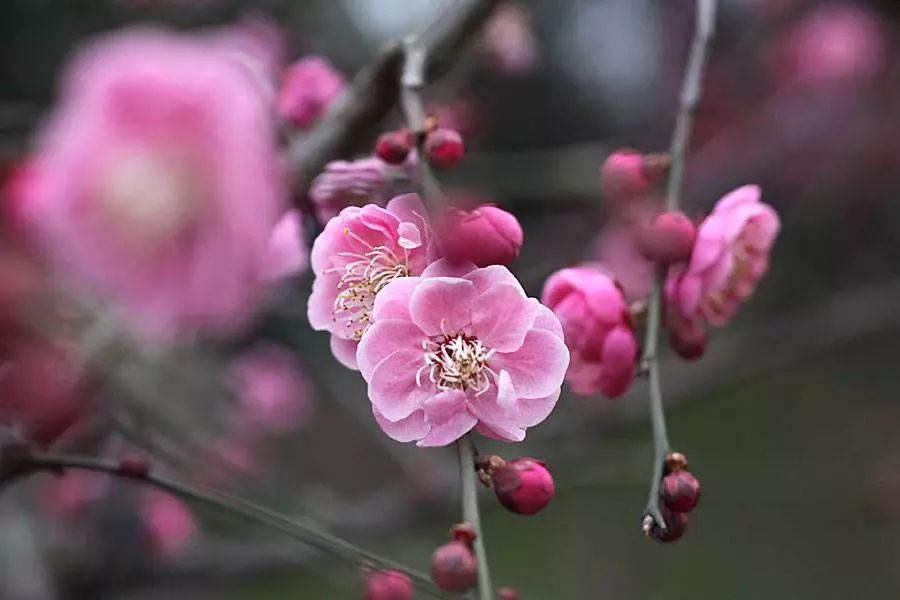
790, 420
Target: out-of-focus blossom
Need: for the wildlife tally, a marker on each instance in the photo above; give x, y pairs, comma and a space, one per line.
485, 235
838, 44
287, 253
508, 39
388, 585
69, 496
730, 257
617, 248
444, 148
159, 180
597, 328
274, 395
169, 523
17, 196
308, 89
461, 348
256, 44
350, 183
358, 254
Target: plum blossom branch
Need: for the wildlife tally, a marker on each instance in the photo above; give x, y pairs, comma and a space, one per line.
16, 462
466, 449
689, 98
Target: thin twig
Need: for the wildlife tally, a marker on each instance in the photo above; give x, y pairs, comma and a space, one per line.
466, 450
690, 96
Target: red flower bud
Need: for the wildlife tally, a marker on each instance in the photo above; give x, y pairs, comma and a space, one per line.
676, 525
134, 466
388, 585
507, 594
454, 568
523, 485
626, 175
680, 491
668, 238
485, 236
689, 342
394, 146
444, 148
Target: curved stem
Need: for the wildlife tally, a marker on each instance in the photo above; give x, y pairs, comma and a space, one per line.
466, 450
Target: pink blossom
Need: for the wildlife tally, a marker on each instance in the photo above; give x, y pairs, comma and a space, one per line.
616, 247
598, 331
169, 523
274, 394
309, 88
509, 41
486, 235
286, 255
358, 254
159, 188
461, 348
355, 183
730, 257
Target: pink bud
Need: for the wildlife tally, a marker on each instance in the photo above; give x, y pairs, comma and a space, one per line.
668, 238
507, 594
626, 175
394, 146
523, 485
688, 342
388, 585
310, 87
485, 236
680, 491
444, 148
676, 525
453, 567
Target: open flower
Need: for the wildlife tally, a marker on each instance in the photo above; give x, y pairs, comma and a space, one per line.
594, 315
730, 256
461, 348
159, 188
359, 253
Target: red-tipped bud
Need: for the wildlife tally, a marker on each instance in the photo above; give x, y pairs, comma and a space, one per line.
134, 466
676, 525
507, 594
689, 342
523, 485
463, 533
680, 491
394, 146
387, 585
485, 236
444, 148
626, 175
675, 461
454, 568
668, 238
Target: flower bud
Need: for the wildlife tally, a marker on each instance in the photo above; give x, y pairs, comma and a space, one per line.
675, 461
134, 466
689, 342
523, 485
388, 585
485, 236
626, 175
680, 491
394, 146
507, 594
454, 568
668, 238
676, 524
444, 148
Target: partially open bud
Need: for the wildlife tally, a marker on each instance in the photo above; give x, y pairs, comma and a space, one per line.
454, 568
388, 585
680, 491
444, 148
485, 236
393, 147
676, 525
507, 594
668, 238
523, 485
627, 174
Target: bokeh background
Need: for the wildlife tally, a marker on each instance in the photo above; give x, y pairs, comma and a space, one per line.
790, 420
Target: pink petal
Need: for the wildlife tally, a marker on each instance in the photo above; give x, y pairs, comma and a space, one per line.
748, 194
450, 430
619, 355
445, 268
393, 301
410, 236
409, 429
385, 338
501, 317
320, 308
444, 405
440, 306
546, 320
392, 386
538, 367
345, 351
533, 411
486, 277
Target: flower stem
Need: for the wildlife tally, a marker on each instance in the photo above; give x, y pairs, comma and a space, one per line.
466, 450
692, 86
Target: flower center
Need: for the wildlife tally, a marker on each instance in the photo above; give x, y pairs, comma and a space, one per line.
364, 275
457, 363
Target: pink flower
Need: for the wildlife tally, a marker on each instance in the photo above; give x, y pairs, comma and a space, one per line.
273, 393
159, 188
616, 246
509, 41
461, 348
730, 257
486, 235
309, 88
286, 255
594, 315
170, 524
356, 183
358, 254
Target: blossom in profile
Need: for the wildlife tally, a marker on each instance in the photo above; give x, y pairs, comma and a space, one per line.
159, 180
595, 318
308, 89
485, 235
730, 256
286, 255
350, 183
360, 252
461, 348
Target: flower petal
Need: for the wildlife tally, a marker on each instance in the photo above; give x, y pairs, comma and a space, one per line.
410, 236
538, 367
392, 385
344, 351
450, 430
501, 317
385, 338
393, 301
409, 429
441, 305
445, 268
444, 406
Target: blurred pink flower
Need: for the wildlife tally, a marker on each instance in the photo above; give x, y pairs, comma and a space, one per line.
461, 348
159, 188
69, 496
308, 89
509, 41
287, 254
359, 253
353, 183
169, 523
730, 257
616, 247
598, 331
274, 394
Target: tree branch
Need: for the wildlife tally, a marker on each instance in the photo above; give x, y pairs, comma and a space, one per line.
466, 450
